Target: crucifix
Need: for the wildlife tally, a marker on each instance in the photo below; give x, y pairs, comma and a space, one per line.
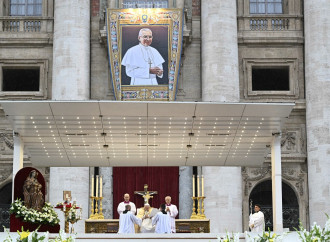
149, 62
146, 194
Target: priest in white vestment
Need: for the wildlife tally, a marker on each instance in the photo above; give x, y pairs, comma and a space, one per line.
127, 221
172, 211
257, 220
121, 206
146, 214
143, 63
162, 221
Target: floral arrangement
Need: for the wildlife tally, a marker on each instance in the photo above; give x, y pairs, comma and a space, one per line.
46, 216
316, 233
229, 238
74, 215
62, 238
268, 237
26, 236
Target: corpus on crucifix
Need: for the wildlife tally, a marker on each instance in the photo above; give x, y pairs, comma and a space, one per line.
146, 194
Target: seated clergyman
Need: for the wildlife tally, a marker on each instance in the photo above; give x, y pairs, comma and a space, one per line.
146, 213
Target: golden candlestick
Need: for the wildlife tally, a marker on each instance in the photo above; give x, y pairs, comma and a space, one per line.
96, 207
101, 209
202, 215
92, 215
198, 207
193, 215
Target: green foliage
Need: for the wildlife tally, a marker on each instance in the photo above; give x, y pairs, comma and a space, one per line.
62, 238
316, 234
229, 238
267, 237
26, 236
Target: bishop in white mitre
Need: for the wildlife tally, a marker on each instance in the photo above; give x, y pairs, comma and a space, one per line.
172, 211
143, 62
257, 220
121, 206
127, 220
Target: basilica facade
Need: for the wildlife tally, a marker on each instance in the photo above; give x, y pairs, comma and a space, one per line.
243, 51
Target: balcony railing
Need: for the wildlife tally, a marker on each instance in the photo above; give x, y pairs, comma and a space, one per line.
270, 23
26, 24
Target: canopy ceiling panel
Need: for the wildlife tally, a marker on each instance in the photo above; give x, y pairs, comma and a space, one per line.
113, 133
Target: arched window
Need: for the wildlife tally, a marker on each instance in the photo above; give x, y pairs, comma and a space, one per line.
262, 194
145, 4
266, 7
25, 7
5, 201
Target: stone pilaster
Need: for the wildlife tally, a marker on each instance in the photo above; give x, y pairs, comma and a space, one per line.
71, 51
106, 173
185, 188
219, 51
317, 76
71, 179
223, 185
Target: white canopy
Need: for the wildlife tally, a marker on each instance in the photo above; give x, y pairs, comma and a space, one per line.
116, 133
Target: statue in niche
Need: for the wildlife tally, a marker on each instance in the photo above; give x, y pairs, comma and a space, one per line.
33, 197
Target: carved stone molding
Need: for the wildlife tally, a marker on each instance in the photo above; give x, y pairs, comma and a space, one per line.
288, 142
4, 174
295, 176
252, 175
7, 139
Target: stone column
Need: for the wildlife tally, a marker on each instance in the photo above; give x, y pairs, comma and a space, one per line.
223, 185
71, 81
219, 51
112, 4
18, 156
277, 184
71, 51
106, 173
180, 4
185, 188
317, 76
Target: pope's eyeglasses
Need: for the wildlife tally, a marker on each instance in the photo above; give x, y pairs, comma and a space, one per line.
147, 36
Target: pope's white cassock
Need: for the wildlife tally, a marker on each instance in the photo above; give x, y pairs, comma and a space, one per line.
172, 213
162, 222
138, 61
257, 219
126, 223
121, 207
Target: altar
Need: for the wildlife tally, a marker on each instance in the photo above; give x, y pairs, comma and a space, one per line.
182, 225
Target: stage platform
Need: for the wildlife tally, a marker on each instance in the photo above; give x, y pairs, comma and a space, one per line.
209, 237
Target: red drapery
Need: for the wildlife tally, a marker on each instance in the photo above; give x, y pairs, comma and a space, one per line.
164, 180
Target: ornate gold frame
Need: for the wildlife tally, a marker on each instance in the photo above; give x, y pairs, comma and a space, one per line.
116, 19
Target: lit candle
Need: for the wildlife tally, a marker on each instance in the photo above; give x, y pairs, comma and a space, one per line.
92, 188
97, 186
202, 186
100, 186
198, 186
193, 183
